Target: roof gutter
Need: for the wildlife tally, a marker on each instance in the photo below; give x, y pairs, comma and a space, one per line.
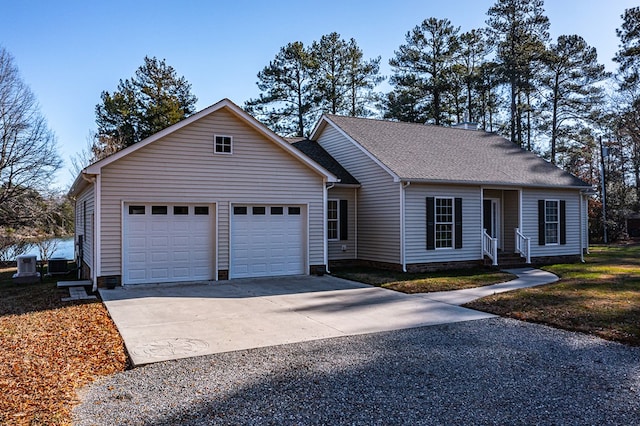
498, 184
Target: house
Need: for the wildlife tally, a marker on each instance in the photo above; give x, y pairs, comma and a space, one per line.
433, 197
219, 196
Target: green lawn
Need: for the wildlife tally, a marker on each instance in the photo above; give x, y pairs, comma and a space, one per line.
424, 282
600, 297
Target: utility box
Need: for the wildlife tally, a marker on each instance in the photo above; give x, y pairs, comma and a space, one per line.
57, 266
27, 269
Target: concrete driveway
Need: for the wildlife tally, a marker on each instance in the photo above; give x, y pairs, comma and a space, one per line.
163, 322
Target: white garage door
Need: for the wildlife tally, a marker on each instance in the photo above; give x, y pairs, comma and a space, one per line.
167, 243
267, 241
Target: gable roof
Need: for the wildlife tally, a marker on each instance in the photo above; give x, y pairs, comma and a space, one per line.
425, 153
94, 168
318, 154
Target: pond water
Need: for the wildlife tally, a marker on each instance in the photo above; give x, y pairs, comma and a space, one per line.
64, 250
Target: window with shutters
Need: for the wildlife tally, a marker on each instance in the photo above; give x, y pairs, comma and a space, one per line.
552, 222
444, 222
337, 220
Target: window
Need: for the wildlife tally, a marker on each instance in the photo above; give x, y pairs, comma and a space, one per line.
332, 219
552, 222
294, 210
158, 209
259, 210
222, 144
180, 210
276, 211
240, 210
201, 210
444, 222
552, 219
136, 210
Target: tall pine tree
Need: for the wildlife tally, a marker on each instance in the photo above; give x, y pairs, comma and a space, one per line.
422, 68
285, 103
155, 98
520, 30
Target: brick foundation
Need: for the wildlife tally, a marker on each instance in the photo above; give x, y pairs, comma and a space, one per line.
317, 269
107, 279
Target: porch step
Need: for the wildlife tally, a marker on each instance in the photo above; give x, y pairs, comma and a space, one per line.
508, 260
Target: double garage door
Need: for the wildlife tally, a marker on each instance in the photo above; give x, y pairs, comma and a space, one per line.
175, 242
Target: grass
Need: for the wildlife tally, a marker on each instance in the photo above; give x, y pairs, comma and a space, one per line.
424, 282
600, 297
50, 349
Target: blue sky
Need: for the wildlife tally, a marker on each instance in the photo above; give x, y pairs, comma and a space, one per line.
68, 52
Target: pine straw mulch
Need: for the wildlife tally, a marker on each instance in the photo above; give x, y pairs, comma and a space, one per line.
49, 350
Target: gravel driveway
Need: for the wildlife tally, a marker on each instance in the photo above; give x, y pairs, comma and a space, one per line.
492, 371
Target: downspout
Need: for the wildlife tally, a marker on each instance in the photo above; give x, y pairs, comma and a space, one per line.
403, 259
97, 214
580, 201
325, 242
355, 198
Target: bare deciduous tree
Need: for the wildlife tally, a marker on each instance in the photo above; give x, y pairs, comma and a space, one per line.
28, 152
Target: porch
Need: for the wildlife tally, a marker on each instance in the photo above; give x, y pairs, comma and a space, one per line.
503, 243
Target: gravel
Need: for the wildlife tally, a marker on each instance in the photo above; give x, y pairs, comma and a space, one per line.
486, 372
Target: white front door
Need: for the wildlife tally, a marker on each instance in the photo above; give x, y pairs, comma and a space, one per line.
165, 242
267, 240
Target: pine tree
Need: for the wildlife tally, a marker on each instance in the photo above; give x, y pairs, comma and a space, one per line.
571, 88
286, 103
155, 98
520, 30
424, 64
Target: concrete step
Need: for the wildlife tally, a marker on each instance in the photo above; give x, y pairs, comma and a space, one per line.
64, 284
78, 293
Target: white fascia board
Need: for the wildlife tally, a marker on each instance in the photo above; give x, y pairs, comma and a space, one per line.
238, 112
357, 144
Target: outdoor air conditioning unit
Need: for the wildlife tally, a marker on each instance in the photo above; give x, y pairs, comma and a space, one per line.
57, 265
27, 272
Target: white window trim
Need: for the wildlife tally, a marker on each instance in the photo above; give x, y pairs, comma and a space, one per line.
215, 151
453, 222
336, 220
557, 201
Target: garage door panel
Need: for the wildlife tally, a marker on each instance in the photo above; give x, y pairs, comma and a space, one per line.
269, 244
167, 247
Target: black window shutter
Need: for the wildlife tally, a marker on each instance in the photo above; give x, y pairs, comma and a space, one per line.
458, 222
563, 222
541, 220
344, 220
431, 223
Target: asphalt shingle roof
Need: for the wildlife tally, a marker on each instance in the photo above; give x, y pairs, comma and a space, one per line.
443, 154
314, 151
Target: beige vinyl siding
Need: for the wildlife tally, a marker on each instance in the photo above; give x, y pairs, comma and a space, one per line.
335, 247
181, 167
530, 199
378, 199
416, 223
86, 196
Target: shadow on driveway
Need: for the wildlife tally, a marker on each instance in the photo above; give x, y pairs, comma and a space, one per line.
162, 322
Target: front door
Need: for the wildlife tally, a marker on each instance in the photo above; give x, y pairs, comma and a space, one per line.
491, 217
